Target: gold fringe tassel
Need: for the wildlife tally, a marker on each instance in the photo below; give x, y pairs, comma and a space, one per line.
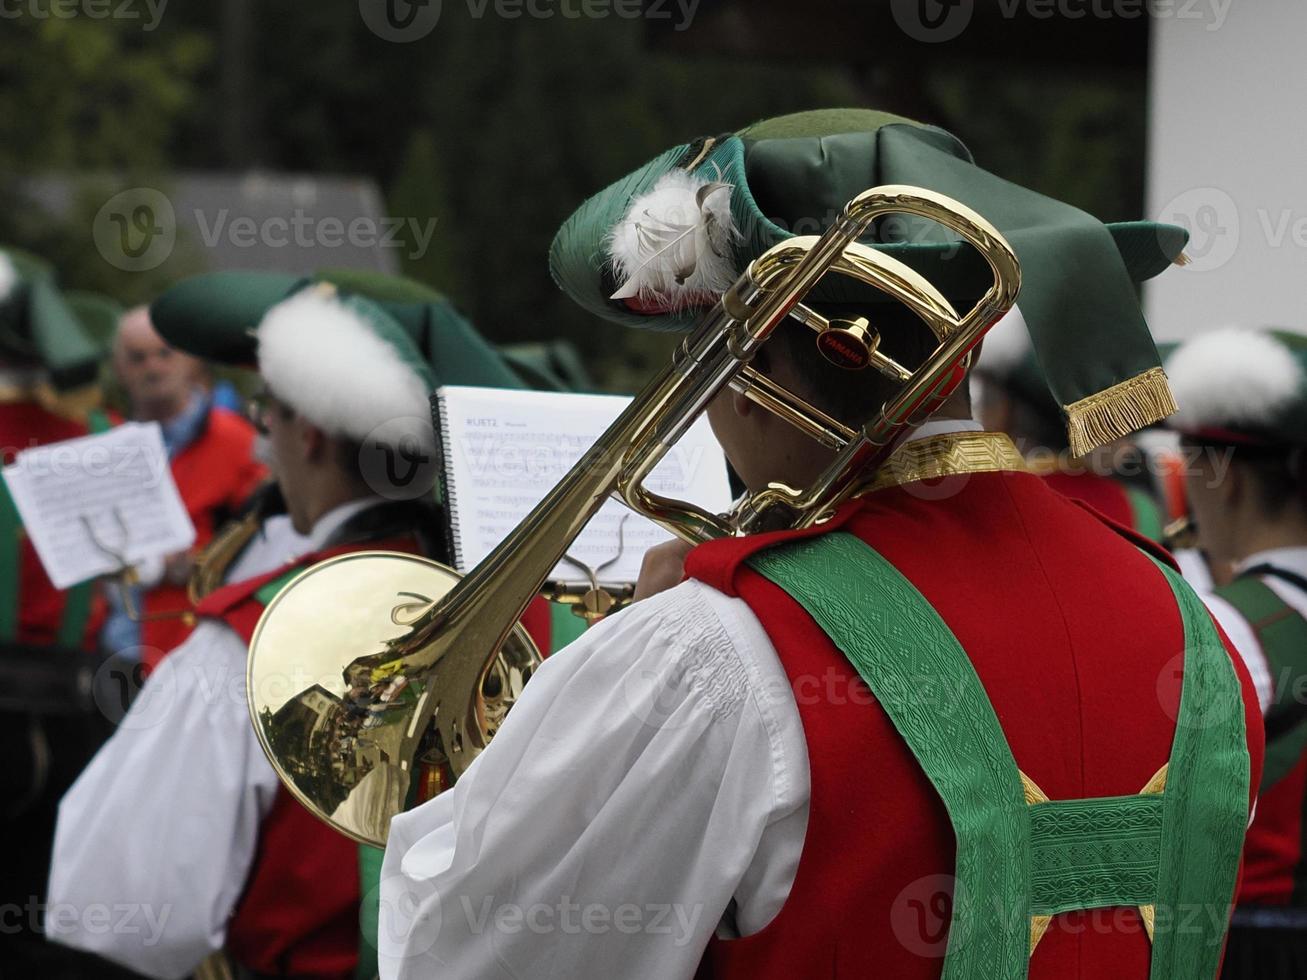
1119, 410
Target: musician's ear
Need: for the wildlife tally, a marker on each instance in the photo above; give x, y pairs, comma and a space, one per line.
314, 442
742, 405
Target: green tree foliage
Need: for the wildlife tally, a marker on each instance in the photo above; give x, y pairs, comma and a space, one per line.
494, 127
94, 98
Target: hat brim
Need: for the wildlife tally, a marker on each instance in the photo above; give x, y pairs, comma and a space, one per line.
214, 316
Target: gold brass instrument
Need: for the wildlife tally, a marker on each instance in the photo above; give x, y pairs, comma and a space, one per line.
377, 679
211, 564
1180, 533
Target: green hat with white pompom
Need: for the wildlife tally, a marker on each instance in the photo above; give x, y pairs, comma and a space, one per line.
1241, 385
347, 366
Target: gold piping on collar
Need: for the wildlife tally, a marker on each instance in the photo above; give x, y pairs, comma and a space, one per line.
948, 454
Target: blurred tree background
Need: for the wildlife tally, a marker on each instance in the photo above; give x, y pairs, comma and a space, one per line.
496, 127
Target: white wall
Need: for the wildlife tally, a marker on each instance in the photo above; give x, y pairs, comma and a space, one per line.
1228, 159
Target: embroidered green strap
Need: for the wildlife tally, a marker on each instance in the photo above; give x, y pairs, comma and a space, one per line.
1095, 853
369, 910
1052, 856
1205, 806
1282, 634
11, 537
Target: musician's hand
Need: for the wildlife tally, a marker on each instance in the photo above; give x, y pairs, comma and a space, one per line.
177, 568
663, 568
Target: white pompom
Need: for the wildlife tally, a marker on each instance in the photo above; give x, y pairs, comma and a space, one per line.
673, 247
1006, 346
1232, 377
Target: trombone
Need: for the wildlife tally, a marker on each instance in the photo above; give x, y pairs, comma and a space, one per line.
374, 679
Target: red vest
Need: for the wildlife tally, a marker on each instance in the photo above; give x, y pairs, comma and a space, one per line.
215, 474
1273, 854
40, 605
299, 913
1075, 636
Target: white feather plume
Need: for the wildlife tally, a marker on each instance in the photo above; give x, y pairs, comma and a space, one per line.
8, 276
1234, 377
673, 247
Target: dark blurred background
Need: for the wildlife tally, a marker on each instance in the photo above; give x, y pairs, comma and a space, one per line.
493, 127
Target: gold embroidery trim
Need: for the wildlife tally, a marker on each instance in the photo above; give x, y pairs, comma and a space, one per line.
949, 454
1119, 410
74, 404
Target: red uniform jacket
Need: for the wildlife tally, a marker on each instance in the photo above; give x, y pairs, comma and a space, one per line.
1077, 639
40, 605
215, 474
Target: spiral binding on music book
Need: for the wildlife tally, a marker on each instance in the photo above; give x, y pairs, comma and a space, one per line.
445, 489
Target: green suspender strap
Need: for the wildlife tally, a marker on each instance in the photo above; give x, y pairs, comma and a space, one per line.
11, 538
77, 600
1282, 634
1147, 515
1021, 859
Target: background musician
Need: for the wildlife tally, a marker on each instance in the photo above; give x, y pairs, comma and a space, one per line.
180, 812
1243, 422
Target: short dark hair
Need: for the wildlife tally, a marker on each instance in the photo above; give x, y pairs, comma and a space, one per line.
1278, 473
850, 396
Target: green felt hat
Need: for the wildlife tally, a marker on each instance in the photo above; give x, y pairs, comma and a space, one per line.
1241, 385
98, 314
551, 366
38, 328
213, 316
659, 245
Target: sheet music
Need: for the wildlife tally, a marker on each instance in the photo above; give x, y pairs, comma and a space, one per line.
504, 450
111, 491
